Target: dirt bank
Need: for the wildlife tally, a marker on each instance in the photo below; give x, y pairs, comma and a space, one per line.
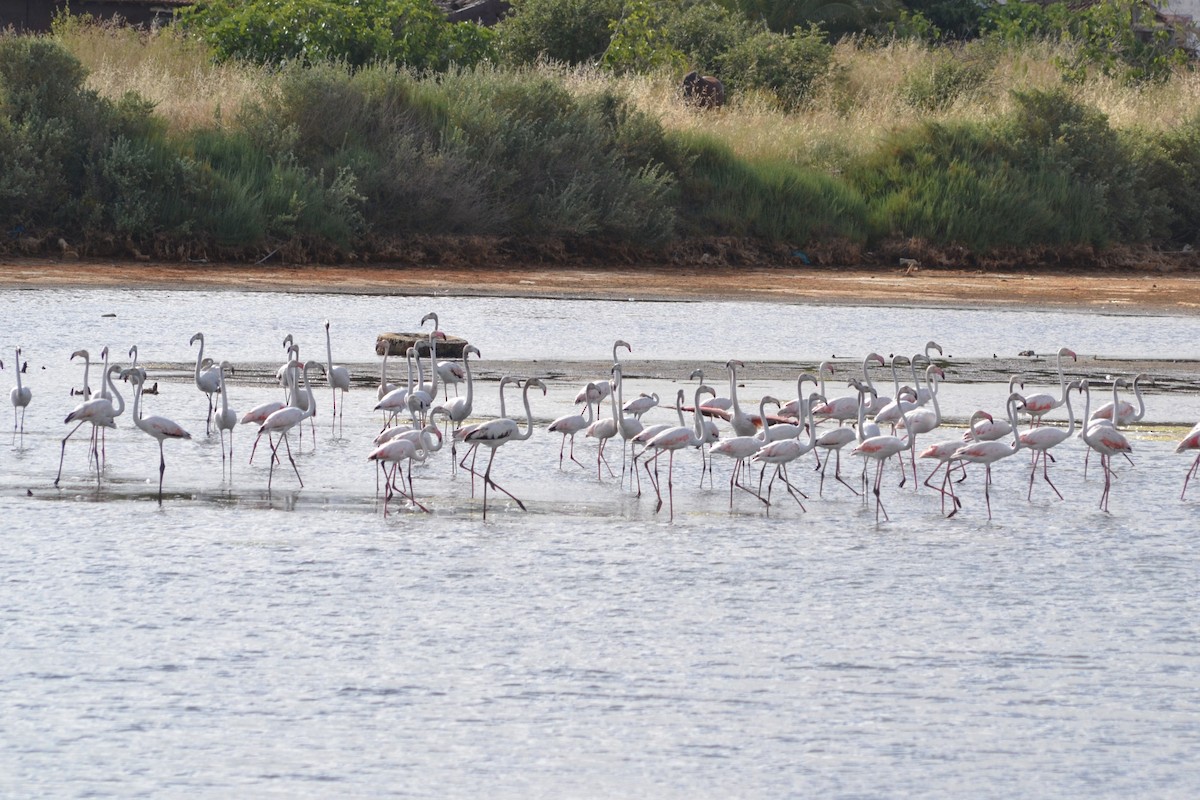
1137, 291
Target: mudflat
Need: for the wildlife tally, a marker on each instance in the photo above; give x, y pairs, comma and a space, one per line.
1148, 292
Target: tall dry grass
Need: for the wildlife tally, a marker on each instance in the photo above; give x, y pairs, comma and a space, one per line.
189, 89
860, 103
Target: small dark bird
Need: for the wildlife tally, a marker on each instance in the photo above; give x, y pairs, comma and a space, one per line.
25, 368
152, 390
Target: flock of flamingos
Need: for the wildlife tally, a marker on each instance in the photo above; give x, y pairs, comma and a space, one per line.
876, 426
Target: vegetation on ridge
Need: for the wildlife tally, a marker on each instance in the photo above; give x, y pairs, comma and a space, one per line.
120, 141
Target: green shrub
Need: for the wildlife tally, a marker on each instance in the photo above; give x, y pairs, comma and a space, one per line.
722, 195
787, 67
567, 31
415, 33
703, 30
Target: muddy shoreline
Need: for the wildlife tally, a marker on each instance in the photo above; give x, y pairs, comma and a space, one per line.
1128, 291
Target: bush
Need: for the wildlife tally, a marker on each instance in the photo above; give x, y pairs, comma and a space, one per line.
723, 195
787, 67
566, 31
415, 33
703, 30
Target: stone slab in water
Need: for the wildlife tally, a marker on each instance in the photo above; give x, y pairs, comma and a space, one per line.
397, 344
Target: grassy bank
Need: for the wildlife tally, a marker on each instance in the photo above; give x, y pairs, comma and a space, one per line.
117, 142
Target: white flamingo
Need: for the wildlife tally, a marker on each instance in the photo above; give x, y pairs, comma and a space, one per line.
845, 408
601, 389
100, 412
499, 432
281, 422
396, 452
207, 381
159, 428
1190, 442
569, 425
20, 397
226, 417
450, 373
338, 378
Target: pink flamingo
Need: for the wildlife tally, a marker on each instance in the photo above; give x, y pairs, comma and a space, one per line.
845, 408
450, 373
338, 378
1041, 440
1104, 438
989, 429
671, 440
988, 453
1037, 405
880, 449
601, 389
1190, 442
922, 420
782, 452
398, 450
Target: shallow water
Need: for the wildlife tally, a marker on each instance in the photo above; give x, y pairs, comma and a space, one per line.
299, 643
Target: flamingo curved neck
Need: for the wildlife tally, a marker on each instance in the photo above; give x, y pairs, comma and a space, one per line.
120, 407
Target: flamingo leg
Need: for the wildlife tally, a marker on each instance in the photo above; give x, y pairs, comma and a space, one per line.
162, 467
1188, 477
487, 481
987, 483
671, 485
878, 499
63, 454
573, 458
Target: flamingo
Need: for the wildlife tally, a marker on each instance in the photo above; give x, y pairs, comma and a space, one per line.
1103, 437
20, 397
920, 419
989, 429
226, 417
86, 391
778, 431
338, 378
792, 407
743, 424
880, 448
1040, 440
207, 381
837, 439
1190, 442
890, 413
133, 354
640, 404
1037, 405
257, 416
100, 412
782, 452
1126, 414
384, 386
281, 422
570, 425
451, 374
461, 434
740, 448
459, 408
845, 408
608, 427
712, 403
671, 440
987, 453
924, 393
398, 450
499, 432
159, 428
601, 389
